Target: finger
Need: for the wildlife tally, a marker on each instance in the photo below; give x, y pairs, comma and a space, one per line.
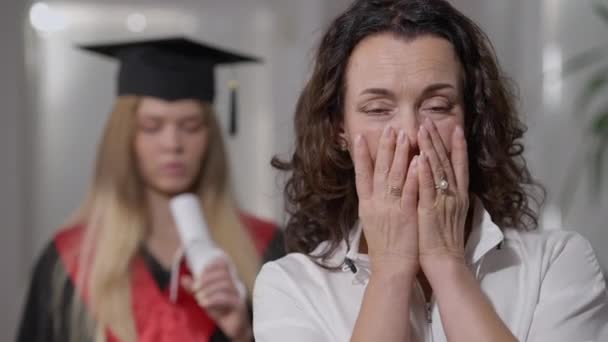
384, 159
205, 298
424, 140
209, 275
221, 301
399, 164
214, 277
460, 160
363, 168
219, 263
410, 188
187, 283
442, 153
211, 289
194, 285
426, 184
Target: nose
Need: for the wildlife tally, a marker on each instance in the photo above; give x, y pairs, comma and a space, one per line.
409, 122
171, 139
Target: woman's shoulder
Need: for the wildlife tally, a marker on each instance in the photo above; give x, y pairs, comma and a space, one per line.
68, 240
51, 259
299, 268
549, 242
562, 279
295, 269
292, 265
556, 251
70, 234
40, 319
64, 239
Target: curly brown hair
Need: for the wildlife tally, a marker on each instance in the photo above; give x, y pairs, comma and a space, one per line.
320, 192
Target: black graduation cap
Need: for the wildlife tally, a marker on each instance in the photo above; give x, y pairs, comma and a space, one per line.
171, 68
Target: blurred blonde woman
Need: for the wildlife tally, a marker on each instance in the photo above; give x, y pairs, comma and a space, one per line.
106, 277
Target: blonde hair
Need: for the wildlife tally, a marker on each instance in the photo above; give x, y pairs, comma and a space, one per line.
114, 216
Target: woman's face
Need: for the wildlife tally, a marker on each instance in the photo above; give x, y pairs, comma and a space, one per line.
170, 143
400, 83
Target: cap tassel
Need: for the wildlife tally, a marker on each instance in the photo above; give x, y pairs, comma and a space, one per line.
233, 107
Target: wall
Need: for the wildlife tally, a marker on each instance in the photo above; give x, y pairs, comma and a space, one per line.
533, 40
12, 140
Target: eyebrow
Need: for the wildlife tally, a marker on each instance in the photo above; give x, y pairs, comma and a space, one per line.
150, 116
437, 86
378, 91
161, 116
388, 93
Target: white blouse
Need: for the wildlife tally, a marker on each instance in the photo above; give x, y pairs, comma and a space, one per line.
545, 286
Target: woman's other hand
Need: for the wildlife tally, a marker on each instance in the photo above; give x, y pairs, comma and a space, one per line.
388, 191
216, 292
444, 200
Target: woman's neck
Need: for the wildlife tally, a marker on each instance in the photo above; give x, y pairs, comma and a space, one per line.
163, 240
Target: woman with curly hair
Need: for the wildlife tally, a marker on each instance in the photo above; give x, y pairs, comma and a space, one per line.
413, 216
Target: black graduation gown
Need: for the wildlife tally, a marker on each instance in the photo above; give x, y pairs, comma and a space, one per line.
40, 323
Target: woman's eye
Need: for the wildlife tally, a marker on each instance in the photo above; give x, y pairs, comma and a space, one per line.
192, 126
437, 106
376, 111
149, 127
439, 109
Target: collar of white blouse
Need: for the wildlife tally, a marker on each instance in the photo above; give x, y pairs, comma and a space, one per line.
485, 236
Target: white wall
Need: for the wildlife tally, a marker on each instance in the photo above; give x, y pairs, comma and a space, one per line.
531, 36
569, 28
12, 123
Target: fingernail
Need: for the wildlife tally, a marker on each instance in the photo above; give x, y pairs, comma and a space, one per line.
401, 137
387, 131
459, 132
423, 131
415, 162
422, 156
358, 139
